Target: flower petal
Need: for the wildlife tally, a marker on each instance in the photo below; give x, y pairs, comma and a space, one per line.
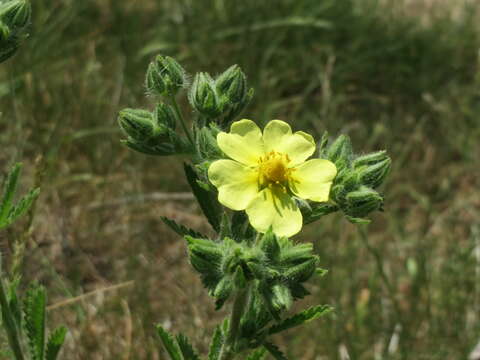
243, 143
273, 207
237, 184
312, 179
277, 136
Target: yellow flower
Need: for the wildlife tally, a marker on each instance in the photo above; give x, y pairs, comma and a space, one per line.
266, 171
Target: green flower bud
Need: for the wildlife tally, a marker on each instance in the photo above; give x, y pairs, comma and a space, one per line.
223, 290
208, 253
374, 175
281, 297
207, 143
363, 201
140, 126
164, 116
370, 159
203, 96
239, 278
4, 32
302, 272
16, 13
232, 85
297, 254
164, 76
270, 246
340, 152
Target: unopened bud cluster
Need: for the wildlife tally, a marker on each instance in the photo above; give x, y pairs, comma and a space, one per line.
275, 267
151, 133
165, 76
14, 19
224, 97
354, 188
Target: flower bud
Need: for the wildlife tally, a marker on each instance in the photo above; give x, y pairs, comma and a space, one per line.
303, 271
209, 253
281, 297
374, 175
136, 123
203, 96
297, 254
232, 85
164, 76
239, 278
363, 201
16, 13
222, 291
269, 245
207, 143
370, 159
164, 116
340, 152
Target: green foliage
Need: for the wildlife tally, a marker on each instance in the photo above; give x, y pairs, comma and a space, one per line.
301, 318
186, 348
206, 199
34, 309
216, 344
55, 342
275, 351
169, 343
257, 355
9, 212
179, 228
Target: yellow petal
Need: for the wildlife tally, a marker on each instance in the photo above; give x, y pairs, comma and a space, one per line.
237, 184
273, 207
243, 143
312, 179
277, 136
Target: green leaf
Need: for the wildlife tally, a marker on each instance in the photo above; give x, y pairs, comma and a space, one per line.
181, 229
275, 351
22, 207
169, 343
186, 348
318, 211
258, 354
55, 342
301, 318
207, 200
34, 309
9, 189
216, 344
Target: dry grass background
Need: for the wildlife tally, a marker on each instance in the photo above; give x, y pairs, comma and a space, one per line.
406, 289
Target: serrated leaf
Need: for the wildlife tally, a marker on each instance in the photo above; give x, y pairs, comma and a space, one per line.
55, 342
275, 351
186, 348
181, 229
216, 344
258, 354
206, 199
22, 207
9, 188
169, 343
34, 309
301, 318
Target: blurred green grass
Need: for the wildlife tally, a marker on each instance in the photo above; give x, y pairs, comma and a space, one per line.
378, 71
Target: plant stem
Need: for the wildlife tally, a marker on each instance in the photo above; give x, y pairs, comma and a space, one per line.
228, 348
9, 324
180, 118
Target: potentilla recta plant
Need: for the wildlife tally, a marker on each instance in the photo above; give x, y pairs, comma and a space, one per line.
257, 188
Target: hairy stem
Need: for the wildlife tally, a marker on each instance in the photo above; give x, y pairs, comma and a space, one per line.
228, 348
180, 118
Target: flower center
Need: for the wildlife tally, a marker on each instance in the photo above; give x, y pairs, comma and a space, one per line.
273, 168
